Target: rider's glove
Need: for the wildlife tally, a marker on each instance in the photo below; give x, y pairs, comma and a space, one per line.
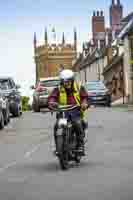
53, 105
84, 106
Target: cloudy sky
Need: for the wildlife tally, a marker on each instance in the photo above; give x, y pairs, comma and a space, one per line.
19, 19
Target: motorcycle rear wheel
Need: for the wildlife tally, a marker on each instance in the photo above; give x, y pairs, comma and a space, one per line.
77, 159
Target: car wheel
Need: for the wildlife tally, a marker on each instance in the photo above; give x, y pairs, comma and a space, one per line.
108, 101
8, 116
6, 119
16, 112
108, 104
2, 122
36, 107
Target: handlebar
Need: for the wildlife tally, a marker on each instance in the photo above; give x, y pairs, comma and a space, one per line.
61, 108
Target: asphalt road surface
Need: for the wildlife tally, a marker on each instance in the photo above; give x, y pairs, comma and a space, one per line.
30, 171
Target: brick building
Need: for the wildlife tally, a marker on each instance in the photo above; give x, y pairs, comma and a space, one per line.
116, 15
98, 28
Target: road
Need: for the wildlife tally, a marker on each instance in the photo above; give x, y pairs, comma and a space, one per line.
29, 170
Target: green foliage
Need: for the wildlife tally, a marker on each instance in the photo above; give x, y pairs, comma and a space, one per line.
25, 103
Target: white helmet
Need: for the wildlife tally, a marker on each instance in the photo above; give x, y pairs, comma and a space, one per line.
66, 74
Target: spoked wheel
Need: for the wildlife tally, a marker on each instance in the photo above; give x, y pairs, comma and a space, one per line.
62, 150
64, 161
77, 158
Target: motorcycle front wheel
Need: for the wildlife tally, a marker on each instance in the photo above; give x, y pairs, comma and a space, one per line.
63, 154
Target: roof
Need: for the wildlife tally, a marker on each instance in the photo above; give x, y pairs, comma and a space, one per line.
95, 81
90, 58
6, 77
126, 29
128, 17
114, 61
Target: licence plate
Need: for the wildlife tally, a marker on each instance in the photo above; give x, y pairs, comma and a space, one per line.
43, 97
98, 97
59, 131
3, 104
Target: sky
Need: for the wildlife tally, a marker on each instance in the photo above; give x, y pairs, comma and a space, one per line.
19, 19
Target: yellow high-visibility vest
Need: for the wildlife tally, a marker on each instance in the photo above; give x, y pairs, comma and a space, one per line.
63, 96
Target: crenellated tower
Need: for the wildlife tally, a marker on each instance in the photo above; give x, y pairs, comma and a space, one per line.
50, 56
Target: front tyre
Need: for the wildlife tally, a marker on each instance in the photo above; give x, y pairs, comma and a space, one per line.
62, 151
2, 122
16, 112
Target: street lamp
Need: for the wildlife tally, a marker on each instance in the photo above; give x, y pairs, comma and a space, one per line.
97, 56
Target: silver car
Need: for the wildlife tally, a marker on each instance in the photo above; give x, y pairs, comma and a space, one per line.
42, 92
4, 110
98, 93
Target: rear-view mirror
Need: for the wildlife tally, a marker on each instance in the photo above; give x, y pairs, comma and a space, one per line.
32, 87
18, 86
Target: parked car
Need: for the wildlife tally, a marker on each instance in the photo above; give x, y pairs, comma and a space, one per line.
1, 116
4, 110
98, 93
10, 91
42, 92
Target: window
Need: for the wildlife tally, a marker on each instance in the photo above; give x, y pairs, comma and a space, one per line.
12, 84
50, 83
95, 85
5, 84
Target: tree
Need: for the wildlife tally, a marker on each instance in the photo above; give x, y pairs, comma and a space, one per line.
25, 103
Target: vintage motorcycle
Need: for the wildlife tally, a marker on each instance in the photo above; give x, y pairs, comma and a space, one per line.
65, 135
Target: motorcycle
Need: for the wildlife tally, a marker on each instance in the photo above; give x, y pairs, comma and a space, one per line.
65, 135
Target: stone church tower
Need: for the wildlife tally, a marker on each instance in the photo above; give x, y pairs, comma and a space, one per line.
49, 58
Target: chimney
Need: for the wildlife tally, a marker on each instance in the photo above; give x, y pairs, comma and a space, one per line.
46, 37
113, 2
75, 39
63, 39
35, 40
118, 2
101, 13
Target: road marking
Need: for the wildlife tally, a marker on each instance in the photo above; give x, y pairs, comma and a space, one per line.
29, 153
8, 166
26, 155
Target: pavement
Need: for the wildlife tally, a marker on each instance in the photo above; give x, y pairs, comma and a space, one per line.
30, 171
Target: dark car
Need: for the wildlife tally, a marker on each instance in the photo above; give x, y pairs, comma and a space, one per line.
10, 91
42, 92
1, 116
98, 93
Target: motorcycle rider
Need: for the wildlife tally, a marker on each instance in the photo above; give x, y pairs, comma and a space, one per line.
70, 93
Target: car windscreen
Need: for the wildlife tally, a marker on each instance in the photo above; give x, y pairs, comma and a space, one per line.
50, 83
95, 86
4, 84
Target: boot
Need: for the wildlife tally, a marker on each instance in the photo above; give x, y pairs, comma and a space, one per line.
80, 147
84, 125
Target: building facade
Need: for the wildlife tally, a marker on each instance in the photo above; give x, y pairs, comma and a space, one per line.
50, 58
